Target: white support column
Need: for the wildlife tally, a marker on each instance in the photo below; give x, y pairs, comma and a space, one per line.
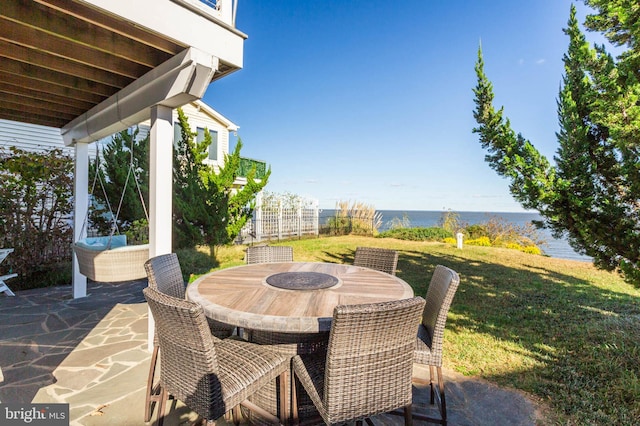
81, 200
160, 188
160, 180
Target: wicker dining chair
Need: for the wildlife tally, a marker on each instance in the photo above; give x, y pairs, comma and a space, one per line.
266, 254
165, 275
442, 288
269, 254
380, 259
209, 375
368, 366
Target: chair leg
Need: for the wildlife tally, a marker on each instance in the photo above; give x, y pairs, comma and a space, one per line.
236, 415
285, 412
163, 402
408, 418
432, 400
443, 403
153, 392
294, 401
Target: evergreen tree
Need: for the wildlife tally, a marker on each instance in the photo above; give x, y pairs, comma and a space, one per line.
208, 208
241, 201
592, 195
199, 210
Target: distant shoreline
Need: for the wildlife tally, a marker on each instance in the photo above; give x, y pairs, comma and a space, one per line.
557, 248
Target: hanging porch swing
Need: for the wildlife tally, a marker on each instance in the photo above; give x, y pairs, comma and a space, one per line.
109, 258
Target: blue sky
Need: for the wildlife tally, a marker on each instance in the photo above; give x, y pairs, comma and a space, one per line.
372, 101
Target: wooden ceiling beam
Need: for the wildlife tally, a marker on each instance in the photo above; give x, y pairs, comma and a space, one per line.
35, 39
81, 32
31, 72
47, 87
36, 105
30, 93
30, 117
41, 59
44, 112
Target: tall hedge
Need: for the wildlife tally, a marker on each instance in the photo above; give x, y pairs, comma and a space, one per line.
35, 213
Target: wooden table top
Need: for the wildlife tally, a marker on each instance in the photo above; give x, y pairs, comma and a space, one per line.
242, 297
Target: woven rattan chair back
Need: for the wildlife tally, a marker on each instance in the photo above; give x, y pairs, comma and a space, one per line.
210, 376
269, 254
189, 366
442, 288
370, 359
165, 275
380, 259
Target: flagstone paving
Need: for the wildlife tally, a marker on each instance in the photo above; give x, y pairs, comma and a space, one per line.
92, 354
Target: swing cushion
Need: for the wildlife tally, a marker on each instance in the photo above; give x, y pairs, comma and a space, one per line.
118, 264
101, 243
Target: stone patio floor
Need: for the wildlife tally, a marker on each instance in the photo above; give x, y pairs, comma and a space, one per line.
92, 354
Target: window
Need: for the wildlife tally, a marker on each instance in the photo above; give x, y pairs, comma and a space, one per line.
177, 134
213, 148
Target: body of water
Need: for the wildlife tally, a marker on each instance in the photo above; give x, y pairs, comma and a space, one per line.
423, 218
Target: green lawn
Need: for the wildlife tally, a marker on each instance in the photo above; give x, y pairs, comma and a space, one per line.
561, 330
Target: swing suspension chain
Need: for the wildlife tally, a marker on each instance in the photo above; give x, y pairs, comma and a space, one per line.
98, 178
115, 220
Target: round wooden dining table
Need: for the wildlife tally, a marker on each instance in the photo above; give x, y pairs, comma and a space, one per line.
291, 297
290, 307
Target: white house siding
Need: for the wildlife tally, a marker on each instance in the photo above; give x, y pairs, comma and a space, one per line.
33, 137
198, 116
201, 115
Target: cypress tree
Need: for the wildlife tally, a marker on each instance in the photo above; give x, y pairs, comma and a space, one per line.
592, 194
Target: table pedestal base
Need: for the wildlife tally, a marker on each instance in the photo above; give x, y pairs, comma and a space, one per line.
289, 344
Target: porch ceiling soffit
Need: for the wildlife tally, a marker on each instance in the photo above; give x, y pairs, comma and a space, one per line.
60, 58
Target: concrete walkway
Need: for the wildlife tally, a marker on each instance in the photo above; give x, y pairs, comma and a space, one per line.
92, 354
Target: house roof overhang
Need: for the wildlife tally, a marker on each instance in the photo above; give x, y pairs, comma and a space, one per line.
90, 66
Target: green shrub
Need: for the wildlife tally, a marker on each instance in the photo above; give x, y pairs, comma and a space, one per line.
417, 234
138, 232
475, 231
195, 262
35, 212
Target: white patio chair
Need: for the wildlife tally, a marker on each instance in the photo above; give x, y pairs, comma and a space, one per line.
4, 288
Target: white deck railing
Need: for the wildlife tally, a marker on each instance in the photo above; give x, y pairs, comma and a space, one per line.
222, 10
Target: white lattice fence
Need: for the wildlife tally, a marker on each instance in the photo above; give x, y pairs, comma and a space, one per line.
274, 220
